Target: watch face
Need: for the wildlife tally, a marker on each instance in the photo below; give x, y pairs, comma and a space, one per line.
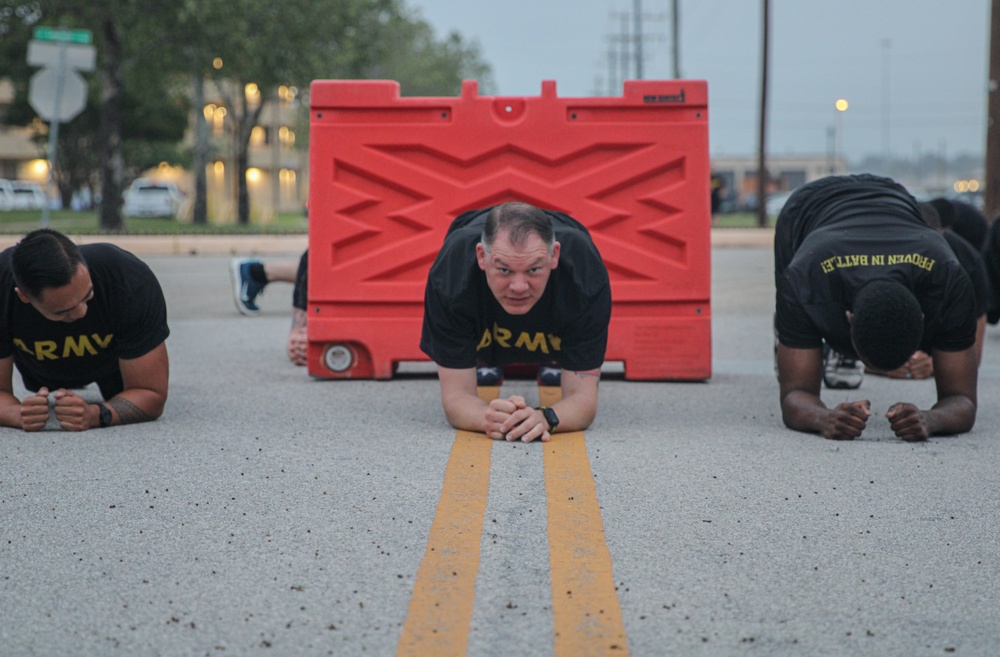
551, 418
105, 417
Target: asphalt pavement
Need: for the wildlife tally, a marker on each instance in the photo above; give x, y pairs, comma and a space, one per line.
268, 513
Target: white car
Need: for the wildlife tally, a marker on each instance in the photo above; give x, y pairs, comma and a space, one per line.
146, 197
28, 195
6, 195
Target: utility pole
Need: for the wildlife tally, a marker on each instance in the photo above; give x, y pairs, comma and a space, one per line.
992, 167
637, 31
762, 146
675, 41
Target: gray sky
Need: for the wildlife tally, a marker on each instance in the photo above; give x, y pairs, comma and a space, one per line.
821, 50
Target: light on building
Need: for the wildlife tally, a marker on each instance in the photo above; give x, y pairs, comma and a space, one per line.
973, 185
209, 111
219, 167
841, 105
253, 175
217, 63
40, 168
257, 136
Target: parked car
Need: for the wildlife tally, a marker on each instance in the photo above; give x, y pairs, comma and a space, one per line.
775, 202
147, 197
28, 195
6, 195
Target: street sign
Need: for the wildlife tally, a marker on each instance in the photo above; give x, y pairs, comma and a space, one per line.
44, 53
81, 37
43, 93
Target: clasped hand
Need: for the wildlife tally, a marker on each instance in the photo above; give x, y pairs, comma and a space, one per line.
512, 419
70, 409
848, 420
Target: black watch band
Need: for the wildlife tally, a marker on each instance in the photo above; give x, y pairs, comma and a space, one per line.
550, 417
104, 417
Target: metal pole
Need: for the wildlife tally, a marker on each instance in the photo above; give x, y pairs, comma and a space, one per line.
886, 152
637, 31
991, 197
54, 133
762, 146
676, 41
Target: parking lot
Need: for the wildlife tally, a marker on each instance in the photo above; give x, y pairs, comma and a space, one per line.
267, 513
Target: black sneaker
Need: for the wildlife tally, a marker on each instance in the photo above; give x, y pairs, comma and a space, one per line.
489, 376
549, 376
842, 372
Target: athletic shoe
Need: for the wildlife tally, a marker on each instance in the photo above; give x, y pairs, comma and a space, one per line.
549, 376
245, 288
842, 372
489, 376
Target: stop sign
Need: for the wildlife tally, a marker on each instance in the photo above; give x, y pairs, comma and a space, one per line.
44, 88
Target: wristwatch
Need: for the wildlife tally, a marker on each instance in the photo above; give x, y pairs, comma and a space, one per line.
104, 419
550, 417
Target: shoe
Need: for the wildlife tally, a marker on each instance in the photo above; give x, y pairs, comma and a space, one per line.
842, 372
489, 376
549, 376
245, 288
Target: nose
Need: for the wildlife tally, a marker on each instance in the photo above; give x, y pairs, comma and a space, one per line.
519, 284
78, 313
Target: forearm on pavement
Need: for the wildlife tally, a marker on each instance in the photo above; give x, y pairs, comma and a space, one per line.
578, 406
134, 405
10, 410
951, 415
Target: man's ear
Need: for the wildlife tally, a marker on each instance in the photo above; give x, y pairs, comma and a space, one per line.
481, 255
21, 295
850, 316
555, 254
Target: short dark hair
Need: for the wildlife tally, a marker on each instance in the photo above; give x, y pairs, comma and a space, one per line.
43, 259
887, 325
519, 220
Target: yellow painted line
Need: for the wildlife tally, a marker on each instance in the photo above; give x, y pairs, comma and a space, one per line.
548, 395
440, 612
586, 614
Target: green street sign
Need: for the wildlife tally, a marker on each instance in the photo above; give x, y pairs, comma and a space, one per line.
81, 37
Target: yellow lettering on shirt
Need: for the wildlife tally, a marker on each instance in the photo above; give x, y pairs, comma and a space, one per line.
875, 260
485, 341
71, 346
546, 343
45, 350
536, 343
502, 336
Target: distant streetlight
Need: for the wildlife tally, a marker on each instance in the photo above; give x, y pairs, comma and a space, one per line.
841, 107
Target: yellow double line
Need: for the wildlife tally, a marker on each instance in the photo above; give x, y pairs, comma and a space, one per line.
587, 618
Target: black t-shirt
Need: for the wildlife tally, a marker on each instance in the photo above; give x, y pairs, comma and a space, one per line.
836, 234
974, 267
126, 318
464, 324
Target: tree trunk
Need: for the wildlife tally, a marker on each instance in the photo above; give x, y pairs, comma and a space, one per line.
247, 121
112, 158
200, 215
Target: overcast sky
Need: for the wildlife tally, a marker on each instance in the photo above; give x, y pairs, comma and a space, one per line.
932, 53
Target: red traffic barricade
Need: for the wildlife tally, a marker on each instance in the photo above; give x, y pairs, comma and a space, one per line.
389, 173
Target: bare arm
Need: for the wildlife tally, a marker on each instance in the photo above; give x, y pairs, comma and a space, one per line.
800, 375
146, 379
462, 406
955, 375
32, 413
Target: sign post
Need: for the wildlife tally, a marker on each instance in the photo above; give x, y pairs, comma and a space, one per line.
57, 92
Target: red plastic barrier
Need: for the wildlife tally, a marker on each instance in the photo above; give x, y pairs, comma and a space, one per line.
389, 173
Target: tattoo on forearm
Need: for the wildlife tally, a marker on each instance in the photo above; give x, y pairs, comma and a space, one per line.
128, 413
298, 318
